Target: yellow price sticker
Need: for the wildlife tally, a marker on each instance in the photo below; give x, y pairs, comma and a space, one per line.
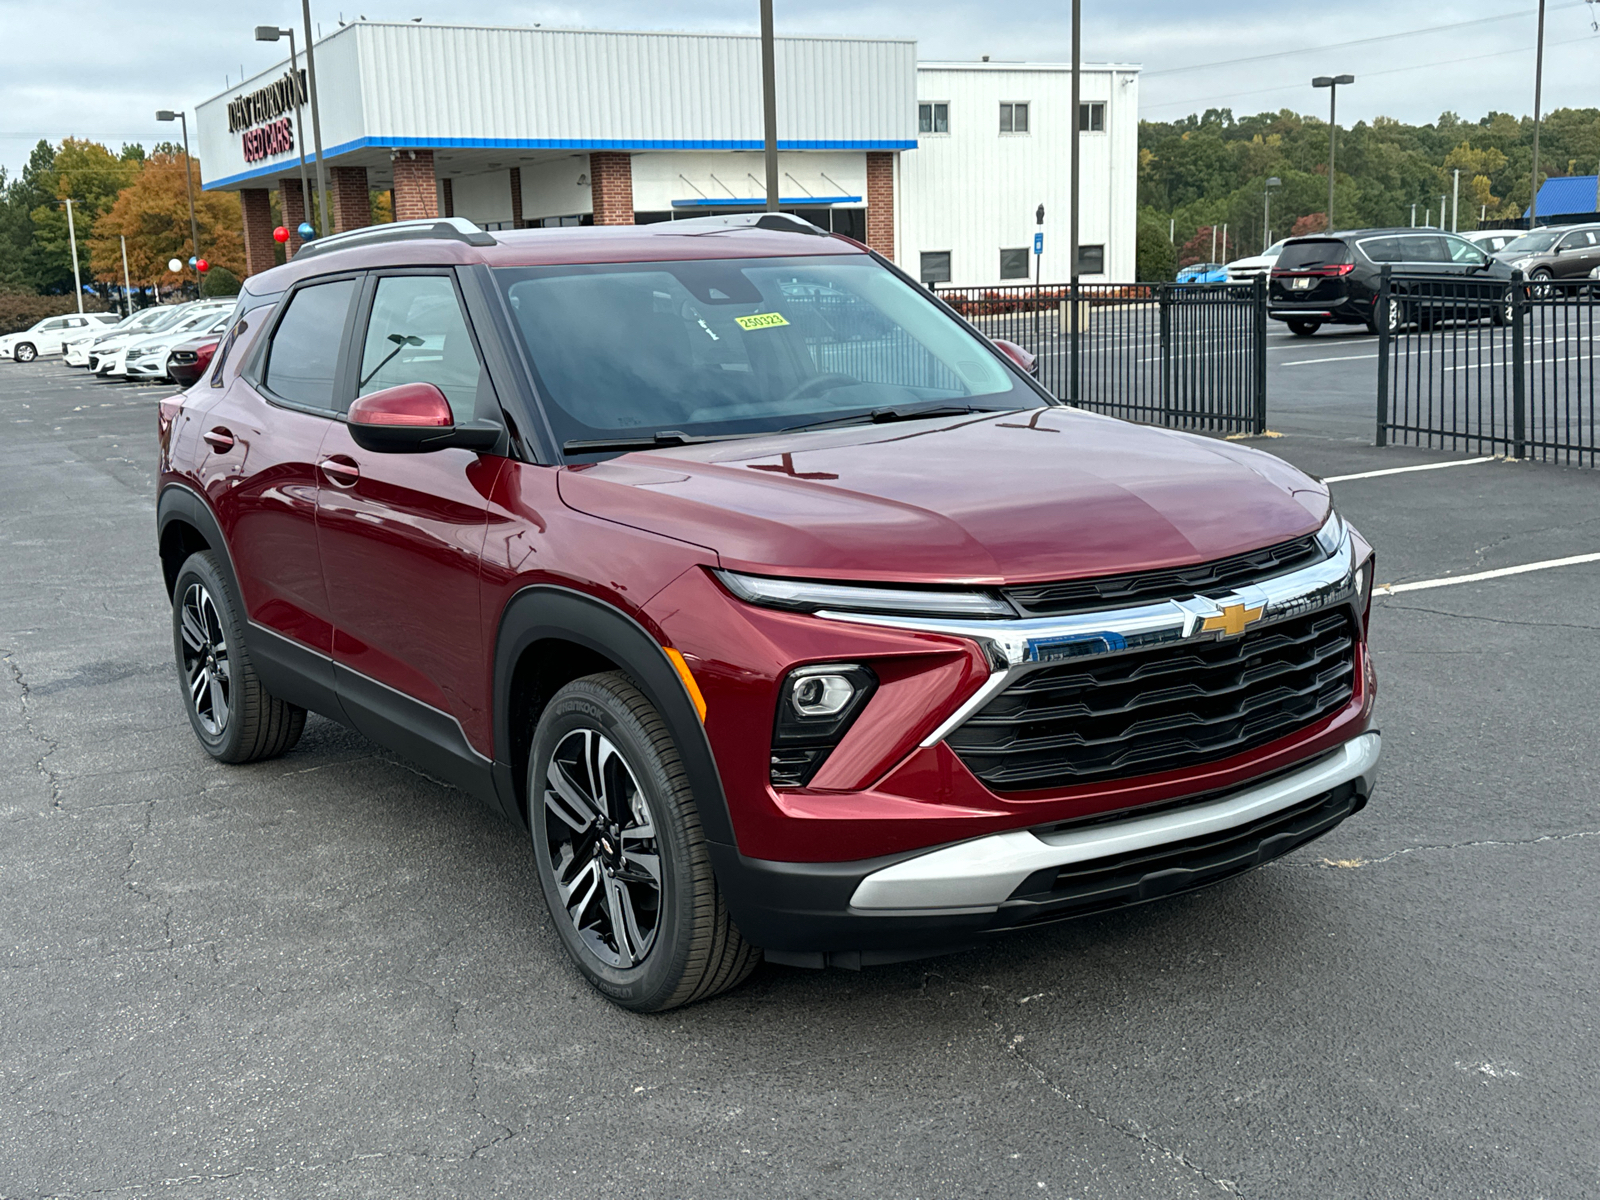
761, 321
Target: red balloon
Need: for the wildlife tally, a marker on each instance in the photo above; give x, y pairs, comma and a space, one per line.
280, 234
202, 266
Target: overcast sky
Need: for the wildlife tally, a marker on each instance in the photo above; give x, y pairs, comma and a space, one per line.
96, 69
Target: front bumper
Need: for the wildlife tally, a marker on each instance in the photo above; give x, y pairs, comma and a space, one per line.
912, 905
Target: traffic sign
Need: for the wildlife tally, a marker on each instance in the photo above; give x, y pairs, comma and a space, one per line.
1038, 243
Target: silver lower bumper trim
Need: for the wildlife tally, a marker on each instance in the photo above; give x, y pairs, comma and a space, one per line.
978, 876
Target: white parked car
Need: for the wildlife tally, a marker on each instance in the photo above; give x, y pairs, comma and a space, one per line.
1243, 270
1491, 241
47, 335
147, 357
75, 349
104, 351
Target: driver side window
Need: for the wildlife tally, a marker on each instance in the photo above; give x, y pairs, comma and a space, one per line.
1465, 253
418, 334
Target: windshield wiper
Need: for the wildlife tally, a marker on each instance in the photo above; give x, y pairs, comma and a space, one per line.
664, 437
894, 412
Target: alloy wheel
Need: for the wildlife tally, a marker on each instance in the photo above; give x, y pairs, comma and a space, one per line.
603, 848
25, 353
207, 670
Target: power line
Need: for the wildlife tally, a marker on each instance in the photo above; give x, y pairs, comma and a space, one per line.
1367, 41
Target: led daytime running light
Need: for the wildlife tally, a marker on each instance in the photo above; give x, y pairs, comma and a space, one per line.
802, 595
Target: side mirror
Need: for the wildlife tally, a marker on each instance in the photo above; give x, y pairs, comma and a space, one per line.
414, 418
1028, 362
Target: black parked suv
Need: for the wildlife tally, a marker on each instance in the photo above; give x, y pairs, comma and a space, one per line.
1333, 279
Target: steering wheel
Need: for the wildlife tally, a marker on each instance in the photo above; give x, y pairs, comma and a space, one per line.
826, 381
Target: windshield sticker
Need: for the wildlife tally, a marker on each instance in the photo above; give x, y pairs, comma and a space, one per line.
761, 321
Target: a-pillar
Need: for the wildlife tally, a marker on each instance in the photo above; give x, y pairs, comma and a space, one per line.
416, 193
352, 203
292, 207
611, 187
880, 203
256, 204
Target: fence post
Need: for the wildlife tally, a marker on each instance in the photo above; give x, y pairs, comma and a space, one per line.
1519, 380
1164, 299
1258, 301
1072, 349
1381, 312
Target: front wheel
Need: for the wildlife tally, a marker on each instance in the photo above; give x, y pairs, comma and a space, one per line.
1304, 328
1504, 310
622, 858
25, 352
1541, 288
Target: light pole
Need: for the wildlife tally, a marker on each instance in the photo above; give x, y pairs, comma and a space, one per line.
1331, 82
1538, 89
72, 240
127, 287
769, 103
1442, 198
1455, 203
271, 33
1077, 137
167, 114
1266, 212
1413, 214
316, 122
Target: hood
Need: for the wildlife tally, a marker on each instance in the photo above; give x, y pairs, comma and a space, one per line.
1053, 493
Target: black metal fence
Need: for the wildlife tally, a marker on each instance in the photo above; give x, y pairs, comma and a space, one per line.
1486, 367
1184, 355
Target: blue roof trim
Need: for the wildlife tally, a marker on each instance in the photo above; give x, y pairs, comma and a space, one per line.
292, 162
1568, 194
758, 201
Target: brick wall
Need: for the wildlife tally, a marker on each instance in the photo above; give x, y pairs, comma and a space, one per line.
292, 203
880, 203
352, 204
256, 204
416, 195
611, 185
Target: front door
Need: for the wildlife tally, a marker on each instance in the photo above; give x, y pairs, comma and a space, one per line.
401, 535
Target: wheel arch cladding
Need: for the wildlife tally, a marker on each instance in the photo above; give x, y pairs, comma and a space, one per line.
551, 635
185, 525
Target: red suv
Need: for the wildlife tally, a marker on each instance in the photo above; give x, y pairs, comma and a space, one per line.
777, 603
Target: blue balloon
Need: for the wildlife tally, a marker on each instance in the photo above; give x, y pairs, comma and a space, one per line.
191, 260
306, 231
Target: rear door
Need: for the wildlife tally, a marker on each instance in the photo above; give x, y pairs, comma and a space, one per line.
1579, 255
402, 535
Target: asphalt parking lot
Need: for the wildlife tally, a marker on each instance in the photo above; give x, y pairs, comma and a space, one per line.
329, 976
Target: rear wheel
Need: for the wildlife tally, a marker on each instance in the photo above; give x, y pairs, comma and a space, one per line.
621, 854
236, 719
25, 352
1304, 328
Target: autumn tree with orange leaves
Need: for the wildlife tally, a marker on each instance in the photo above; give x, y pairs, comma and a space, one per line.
152, 212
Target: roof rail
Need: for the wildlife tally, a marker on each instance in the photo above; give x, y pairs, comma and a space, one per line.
455, 229
780, 221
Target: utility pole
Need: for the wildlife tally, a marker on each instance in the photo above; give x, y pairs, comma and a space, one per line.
1331, 82
316, 122
127, 288
271, 33
1442, 199
1266, 212
1455, 203
1172, 231
769, 103
72, 238
1413, 214
1213, 257
1077, 138
1538, 92
167, 114
1224, 241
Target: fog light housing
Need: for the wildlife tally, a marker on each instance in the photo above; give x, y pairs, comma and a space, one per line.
816, 707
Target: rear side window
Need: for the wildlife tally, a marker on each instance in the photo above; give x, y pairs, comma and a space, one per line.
305, 347
1383, 250
1429, 249
1315, 252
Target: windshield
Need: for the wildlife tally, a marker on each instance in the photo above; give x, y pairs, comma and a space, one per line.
1534, 242
747, 345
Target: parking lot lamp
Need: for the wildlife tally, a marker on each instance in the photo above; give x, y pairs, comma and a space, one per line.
1331, 82
1538, 89
271, 33
316, 121
166, 114
127, 287
72, 241
1266, 212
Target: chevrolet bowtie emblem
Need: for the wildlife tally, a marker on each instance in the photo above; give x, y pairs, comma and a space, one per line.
1233, 620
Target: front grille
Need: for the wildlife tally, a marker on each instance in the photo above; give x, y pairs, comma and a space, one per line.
1148, 874
1086, 595
1161, 709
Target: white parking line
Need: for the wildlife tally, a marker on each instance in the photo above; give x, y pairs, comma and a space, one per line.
1391, 589
1302, 362
1463, 462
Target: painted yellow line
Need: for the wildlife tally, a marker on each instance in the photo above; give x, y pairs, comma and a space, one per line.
1391, 589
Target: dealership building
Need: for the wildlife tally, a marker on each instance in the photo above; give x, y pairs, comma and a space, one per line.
939, 166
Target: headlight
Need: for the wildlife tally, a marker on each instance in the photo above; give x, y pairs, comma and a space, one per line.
804, 595
1521, 264
133, 354
1331, 535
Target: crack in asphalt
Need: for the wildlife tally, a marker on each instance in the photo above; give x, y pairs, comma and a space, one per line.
176, 1181
1011, 1044
50, 744
1437, 612
1351, 864
135, 887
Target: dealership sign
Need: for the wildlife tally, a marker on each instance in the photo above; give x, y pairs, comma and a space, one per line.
276, 137
263, 118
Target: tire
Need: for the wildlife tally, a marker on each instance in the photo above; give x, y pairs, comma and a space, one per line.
1539, 286
1304, 328
598, 848
1394, 314
1504, 310
25, 352
236, 719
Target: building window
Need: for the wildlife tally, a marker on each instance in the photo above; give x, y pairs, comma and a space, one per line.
1091, 260
933, 117
1092, 117
1014, 264
1013, 118
935, 266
